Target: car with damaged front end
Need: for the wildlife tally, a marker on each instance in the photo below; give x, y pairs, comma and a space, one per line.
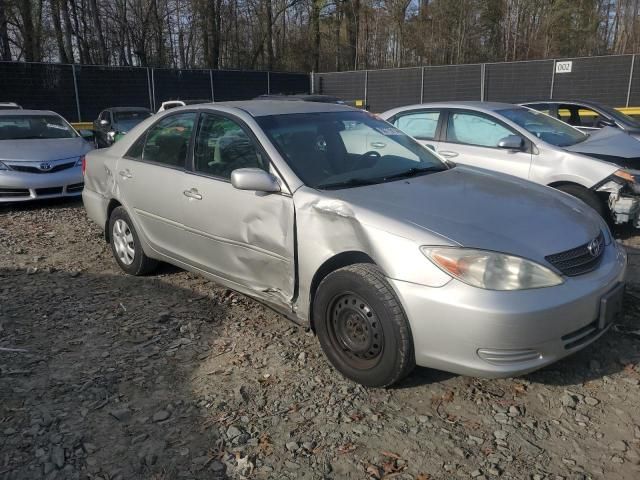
391, 256
599, 168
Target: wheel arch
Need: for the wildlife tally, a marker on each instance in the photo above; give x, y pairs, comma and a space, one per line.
111, 206
336, 262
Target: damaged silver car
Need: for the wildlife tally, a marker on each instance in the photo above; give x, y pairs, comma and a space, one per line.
391, 256
598, 168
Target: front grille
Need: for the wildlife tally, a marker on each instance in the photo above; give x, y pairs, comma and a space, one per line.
33, 169
76, 187
14, 192
578, 260
49, 191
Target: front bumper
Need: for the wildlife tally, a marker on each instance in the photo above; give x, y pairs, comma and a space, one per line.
22, 186
470, 331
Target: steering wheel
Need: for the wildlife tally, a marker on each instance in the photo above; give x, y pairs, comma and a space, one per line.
366, 155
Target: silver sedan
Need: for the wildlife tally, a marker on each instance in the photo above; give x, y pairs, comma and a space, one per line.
529, 144
391, 256
40, 156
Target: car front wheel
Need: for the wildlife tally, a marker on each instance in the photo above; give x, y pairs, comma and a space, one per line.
362, 327
587, 196
125, 245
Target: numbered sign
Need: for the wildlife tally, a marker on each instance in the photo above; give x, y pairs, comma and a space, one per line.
564, 67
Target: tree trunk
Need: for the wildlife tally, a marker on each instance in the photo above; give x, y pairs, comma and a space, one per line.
269, 35
5, 50
57, 28
103, 55
66, 20
315, 32
28, 31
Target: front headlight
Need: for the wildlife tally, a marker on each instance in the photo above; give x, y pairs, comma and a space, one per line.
491, 270
3, 167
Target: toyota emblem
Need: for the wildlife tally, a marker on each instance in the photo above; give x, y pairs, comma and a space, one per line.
594, 247
45, 166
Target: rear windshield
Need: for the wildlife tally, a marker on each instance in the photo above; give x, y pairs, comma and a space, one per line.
26, 127
544, 127
132, 116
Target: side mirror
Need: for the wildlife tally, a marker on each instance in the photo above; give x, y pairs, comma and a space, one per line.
104, 123
86, 134
512, 142
605, 122
254, 179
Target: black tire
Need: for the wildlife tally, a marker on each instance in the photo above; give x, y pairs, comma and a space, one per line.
587, 196
362, 327
140, 263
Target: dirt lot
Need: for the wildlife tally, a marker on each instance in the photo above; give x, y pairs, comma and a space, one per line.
171, 376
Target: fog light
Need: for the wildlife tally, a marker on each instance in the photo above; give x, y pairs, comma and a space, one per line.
508, 357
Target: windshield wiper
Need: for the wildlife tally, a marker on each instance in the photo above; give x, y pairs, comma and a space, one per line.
412, 172
352, 182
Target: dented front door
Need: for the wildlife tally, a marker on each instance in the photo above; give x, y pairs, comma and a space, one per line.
245, 237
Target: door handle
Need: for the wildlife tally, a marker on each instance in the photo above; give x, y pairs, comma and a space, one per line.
378, 144
125, 173
193, 193
448, 153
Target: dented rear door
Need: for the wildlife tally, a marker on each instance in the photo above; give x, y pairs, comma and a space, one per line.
242, 236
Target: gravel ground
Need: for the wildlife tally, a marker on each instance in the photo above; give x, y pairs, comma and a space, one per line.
173, 377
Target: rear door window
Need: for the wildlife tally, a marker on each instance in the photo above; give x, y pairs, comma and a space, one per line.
421, 125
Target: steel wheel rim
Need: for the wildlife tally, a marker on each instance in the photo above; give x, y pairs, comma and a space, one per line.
355, 330
123, 242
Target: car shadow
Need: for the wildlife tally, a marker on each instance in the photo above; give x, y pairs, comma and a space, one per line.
54, 203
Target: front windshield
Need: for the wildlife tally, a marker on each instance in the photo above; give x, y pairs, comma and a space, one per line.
127, 120
621, 117
27, 127
544, 127
346, 149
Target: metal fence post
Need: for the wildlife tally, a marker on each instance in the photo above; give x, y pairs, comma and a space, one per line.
483, 71
149, 90
366, 86
213, 97
553, 78
311, 79
153, 90
633, 61
422, 85
268, 83
75, 87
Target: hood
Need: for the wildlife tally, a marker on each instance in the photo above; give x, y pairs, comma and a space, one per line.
43, 150
478, 209
608, 142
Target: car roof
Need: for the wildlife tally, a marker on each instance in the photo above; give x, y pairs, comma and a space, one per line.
582, 102
300, 97
14, 113
263, 108
469, 104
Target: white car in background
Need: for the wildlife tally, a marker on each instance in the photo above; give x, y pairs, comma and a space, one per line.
529, 144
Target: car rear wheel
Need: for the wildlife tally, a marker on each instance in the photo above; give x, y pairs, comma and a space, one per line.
125, 245
362, 327
587, 196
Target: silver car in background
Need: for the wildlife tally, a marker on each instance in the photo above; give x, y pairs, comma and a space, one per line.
390, 255
529, 144
40, 156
